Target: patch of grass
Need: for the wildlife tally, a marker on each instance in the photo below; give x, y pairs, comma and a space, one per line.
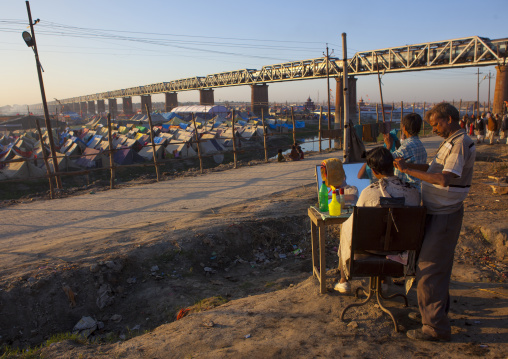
246, 285
208, 303
55, 338
169, 255
7, 352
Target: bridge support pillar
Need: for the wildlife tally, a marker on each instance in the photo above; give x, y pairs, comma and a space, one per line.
91, 107
101, 107
83, 109
127, 105
206, 97
146, 100
259, 99
501, 90
112, 107
171, 101
339, 100
75, 107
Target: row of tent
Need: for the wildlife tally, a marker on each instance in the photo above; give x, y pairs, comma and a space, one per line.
86, 147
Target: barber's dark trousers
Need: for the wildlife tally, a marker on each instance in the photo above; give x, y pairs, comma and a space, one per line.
434, 270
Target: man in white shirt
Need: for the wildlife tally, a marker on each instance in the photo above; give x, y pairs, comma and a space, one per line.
380, 161
445, 185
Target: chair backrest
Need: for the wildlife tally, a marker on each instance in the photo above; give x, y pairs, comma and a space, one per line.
388, 229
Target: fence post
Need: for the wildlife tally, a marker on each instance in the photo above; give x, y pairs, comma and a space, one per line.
359, 114
264, 134
294, 128
320, 118
197, 143
424, 105
153, 144
111, 155
234, 140
50, 176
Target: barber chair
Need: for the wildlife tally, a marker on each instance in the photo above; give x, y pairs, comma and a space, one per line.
391, 227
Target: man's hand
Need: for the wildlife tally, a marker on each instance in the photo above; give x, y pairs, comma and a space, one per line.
387, 140
400, 164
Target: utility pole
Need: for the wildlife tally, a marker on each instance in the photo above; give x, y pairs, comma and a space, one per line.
33, 44
328, 96
478, 92
346, 99
489, 94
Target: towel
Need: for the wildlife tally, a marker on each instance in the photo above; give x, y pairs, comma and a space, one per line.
332, 172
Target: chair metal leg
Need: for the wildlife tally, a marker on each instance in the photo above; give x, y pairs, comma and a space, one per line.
393, 296
386, 311
374, 287
369, 296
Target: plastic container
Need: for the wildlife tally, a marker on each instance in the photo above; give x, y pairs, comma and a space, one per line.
323, 197
341, 199
334, 206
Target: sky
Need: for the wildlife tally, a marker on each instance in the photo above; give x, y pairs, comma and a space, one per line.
97, 46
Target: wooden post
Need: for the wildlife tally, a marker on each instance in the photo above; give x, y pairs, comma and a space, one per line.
319, 134
380, 91
45, 157
359, 114
294, 128
153, 144
264, 134
197, 142
234, 140
111, 154
328, 95
377, 113
423, 123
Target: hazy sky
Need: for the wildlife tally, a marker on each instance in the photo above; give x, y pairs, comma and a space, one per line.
94, 46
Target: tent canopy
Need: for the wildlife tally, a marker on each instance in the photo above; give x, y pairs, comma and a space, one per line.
208, 109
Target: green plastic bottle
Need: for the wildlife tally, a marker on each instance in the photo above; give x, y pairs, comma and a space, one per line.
323, 198
334, 205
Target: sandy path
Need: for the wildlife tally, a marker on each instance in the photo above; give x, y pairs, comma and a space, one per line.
49, 229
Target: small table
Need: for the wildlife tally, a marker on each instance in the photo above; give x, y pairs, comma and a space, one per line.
318, 222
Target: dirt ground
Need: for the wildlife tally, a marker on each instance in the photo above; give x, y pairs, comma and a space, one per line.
243, 279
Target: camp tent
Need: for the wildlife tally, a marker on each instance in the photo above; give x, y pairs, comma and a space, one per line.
21, 170
147, 152
127, 156
92, 158
65, 164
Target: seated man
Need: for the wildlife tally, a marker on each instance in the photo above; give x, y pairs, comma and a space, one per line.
380, 160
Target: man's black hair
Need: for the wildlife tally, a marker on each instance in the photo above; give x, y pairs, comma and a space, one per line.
443, 110
412, 122
380, 160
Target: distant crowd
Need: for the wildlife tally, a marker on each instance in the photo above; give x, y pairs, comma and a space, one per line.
487, 126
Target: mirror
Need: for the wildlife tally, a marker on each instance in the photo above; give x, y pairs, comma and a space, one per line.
351, 171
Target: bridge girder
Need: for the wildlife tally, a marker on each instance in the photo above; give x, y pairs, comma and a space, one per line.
464, 52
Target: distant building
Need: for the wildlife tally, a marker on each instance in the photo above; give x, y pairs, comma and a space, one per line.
309, 105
